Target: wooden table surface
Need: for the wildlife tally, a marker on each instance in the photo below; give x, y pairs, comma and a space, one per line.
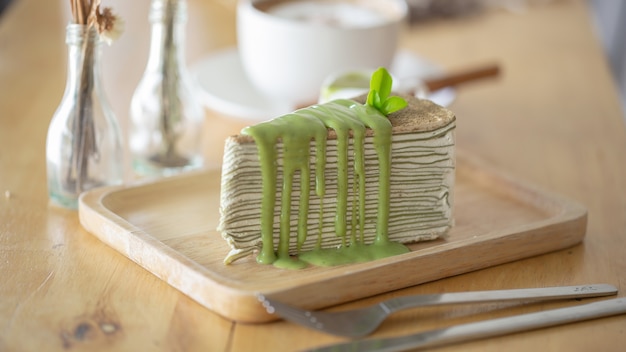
551, 118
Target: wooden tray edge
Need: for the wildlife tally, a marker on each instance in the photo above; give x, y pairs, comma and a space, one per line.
565, 229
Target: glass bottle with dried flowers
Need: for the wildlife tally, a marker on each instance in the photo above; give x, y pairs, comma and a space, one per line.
166, 115
83, 147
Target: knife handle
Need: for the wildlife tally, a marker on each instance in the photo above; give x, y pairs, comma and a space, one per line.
525, 322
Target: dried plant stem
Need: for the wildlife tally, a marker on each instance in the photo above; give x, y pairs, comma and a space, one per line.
78, 11
84, 142
85, 13
169, 81
84, 38
171, 106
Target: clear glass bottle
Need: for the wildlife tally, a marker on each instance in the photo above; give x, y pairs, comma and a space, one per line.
166, 115
83, 146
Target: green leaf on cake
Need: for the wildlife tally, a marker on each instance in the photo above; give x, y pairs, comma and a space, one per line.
373, 98
393, 104
378, 96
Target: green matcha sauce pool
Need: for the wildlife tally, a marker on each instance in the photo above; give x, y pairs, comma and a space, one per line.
296, 131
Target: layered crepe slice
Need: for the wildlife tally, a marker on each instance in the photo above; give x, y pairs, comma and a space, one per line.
419, 193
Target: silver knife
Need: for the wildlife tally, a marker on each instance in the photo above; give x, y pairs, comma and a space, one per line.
484, 329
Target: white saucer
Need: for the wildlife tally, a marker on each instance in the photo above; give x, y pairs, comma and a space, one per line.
225, 89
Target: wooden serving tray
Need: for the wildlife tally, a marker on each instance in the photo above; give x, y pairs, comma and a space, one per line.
168, 227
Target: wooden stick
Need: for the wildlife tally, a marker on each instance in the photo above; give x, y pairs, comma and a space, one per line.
462, 77
92, 16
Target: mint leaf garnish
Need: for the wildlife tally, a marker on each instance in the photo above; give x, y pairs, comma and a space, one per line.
378, 96
393, 104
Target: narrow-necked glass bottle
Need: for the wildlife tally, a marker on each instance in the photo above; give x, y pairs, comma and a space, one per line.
166, 115
83, 147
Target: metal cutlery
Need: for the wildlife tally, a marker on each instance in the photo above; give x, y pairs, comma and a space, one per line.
361, 322
484, 329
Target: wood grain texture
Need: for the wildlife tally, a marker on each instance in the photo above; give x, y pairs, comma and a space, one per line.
169, 228
552, 117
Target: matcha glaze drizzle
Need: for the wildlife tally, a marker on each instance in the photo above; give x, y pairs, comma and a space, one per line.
296, 131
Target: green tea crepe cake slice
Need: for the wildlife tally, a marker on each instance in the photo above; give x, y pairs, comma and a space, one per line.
325, 177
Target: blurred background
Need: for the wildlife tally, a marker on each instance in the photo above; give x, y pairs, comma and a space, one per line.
610, 20
126, 58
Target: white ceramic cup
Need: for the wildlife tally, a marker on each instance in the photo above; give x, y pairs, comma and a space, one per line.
287, 56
